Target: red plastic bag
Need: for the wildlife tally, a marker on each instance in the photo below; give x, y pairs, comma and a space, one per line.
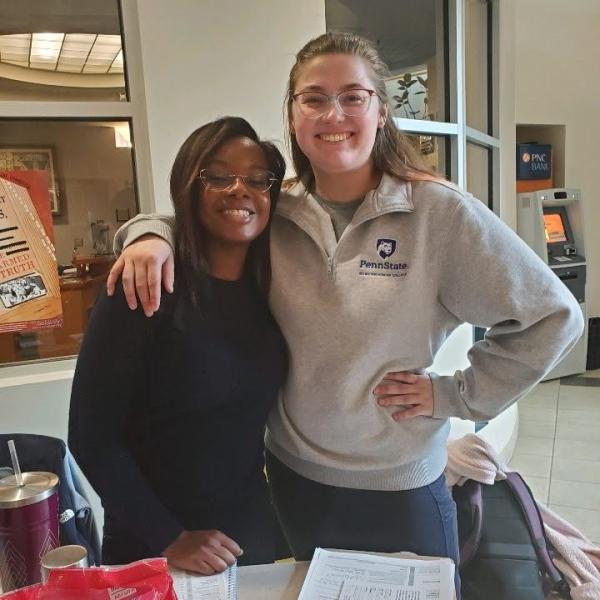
142, 580
26, 593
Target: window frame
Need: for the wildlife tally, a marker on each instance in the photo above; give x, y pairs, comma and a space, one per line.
134, 111
457, 130
456, 127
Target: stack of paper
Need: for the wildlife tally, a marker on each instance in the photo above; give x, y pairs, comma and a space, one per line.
346, 575
191, 586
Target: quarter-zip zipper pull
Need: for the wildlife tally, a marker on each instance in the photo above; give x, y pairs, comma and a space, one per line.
331, 268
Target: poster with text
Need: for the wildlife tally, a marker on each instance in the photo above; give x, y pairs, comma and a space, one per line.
29, 283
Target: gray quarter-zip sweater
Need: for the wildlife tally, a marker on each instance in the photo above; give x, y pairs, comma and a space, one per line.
417, 260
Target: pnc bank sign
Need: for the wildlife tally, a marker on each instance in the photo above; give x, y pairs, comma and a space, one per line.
534, 161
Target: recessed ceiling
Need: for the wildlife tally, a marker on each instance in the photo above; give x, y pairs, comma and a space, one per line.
64, 52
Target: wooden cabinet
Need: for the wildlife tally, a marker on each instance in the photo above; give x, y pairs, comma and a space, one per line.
93, 266
78, 296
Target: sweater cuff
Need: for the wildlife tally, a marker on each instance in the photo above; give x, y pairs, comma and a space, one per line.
136, 229
447, 401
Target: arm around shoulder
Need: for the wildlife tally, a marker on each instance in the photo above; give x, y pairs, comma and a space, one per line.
492, 279
146, 265
144, 224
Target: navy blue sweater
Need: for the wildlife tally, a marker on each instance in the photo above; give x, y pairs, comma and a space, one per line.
167, 415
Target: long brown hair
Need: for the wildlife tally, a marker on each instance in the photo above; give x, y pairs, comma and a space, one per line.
195, 154
392, 152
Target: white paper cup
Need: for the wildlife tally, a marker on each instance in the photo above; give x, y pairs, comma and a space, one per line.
63, 557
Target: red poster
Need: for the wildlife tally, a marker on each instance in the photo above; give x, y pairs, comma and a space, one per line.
29, 283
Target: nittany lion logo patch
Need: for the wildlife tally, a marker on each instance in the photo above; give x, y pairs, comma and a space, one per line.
386, 247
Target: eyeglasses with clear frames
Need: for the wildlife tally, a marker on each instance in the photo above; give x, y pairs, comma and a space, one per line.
352, 103
259, 181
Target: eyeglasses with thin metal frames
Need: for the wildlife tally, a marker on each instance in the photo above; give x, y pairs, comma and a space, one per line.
313, 113
223, 183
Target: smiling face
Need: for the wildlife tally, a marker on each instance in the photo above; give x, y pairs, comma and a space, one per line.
239, 214
335, 143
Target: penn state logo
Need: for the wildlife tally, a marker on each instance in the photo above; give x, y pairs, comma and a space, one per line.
386, 247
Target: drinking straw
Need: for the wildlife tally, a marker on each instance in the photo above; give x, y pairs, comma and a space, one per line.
15, 463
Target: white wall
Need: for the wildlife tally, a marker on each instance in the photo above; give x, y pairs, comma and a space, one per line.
203, 60
558, 82
42, 408
39, 408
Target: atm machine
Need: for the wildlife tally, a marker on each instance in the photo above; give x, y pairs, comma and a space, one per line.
551, 222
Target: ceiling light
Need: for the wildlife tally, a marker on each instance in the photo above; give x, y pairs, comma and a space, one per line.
122, 135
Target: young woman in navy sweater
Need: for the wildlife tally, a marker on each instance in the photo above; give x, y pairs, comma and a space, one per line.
167, 414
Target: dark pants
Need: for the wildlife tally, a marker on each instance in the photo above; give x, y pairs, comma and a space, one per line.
422, 520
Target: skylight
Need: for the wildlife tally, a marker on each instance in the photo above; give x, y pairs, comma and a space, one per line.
63, 52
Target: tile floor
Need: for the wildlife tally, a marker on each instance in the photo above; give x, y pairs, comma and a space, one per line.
558, 449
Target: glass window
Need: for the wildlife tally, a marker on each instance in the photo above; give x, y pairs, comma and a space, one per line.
49, 53
478, 40
479, 172
435, 151
88, 175
411, 39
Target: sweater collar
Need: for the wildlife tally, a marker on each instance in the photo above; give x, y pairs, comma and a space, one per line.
391, 195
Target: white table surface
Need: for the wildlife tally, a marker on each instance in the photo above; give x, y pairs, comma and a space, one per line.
281, 581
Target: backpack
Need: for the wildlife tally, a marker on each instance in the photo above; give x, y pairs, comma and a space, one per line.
504, 553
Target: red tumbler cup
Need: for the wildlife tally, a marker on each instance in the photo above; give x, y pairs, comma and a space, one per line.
28, 527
